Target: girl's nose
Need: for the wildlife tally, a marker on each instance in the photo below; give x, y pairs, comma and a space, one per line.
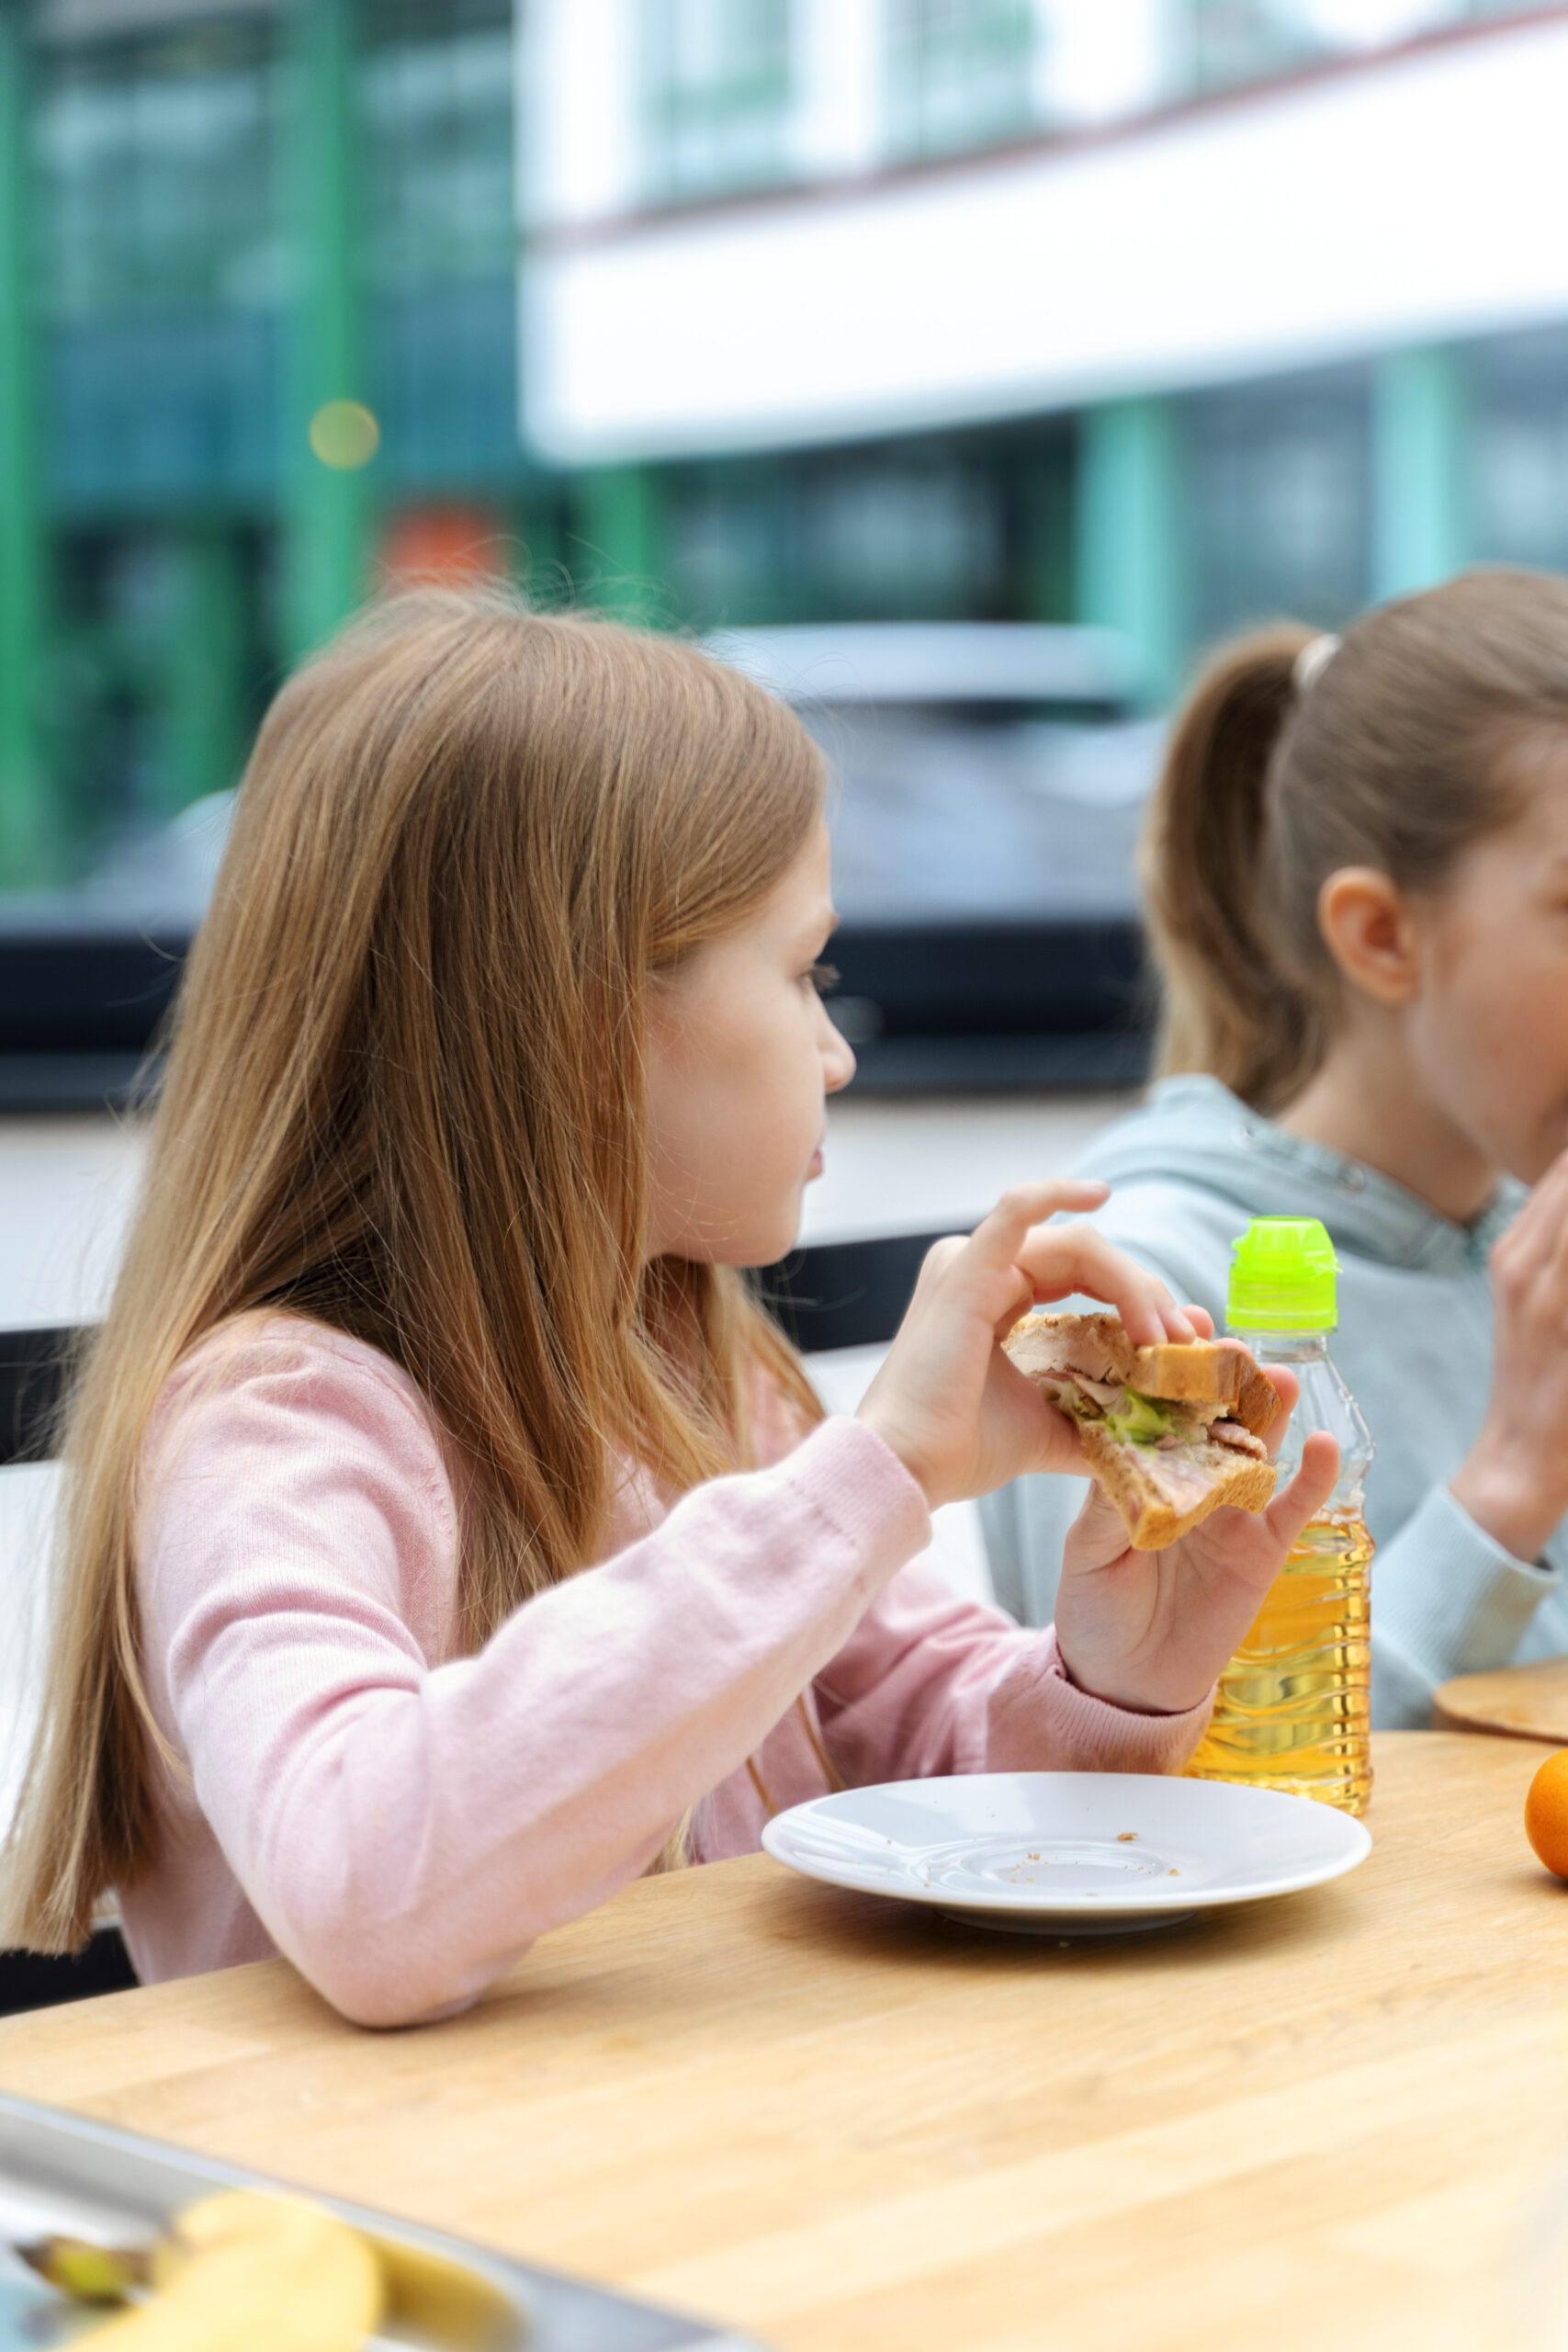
838, 1058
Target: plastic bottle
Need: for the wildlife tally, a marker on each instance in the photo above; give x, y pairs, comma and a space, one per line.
1293, 1709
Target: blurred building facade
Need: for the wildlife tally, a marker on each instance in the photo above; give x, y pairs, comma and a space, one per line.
1159, 313
1165, 314
257, 346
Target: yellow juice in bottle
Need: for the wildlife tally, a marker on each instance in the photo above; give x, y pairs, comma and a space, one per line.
1294, 1707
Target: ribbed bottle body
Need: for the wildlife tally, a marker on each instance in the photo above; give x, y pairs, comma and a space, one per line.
1293, 1709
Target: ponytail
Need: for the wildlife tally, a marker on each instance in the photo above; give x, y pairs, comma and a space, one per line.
1418, 737
1226, 1007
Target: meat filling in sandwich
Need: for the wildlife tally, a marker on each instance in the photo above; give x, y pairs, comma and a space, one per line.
1171, 1433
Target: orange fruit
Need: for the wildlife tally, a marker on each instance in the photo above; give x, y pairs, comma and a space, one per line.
1545, 1813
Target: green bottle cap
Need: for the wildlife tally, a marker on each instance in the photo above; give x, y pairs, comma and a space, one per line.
1283, 1277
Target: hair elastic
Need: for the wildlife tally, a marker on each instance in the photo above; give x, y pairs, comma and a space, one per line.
1313, 657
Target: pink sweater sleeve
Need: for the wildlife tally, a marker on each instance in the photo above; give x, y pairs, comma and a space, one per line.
929, 1683
404, 1830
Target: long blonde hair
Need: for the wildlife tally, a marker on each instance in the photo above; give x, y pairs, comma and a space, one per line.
405, 1096
1402, 751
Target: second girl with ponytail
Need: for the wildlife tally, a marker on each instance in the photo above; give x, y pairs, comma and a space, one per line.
1356, 883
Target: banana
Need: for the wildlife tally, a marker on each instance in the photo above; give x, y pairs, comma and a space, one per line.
246, 2273
439, 2300
242, 2272
87, 2273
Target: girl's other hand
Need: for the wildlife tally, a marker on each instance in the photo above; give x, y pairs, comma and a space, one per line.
957, 1413
1514, 1482
1152, 1630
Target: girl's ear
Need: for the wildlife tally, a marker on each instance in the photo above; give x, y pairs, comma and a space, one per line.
1370, 930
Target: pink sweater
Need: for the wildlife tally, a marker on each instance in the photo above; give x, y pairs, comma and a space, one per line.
402, 1822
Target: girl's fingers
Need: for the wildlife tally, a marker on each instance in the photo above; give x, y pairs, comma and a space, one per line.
999, 1237
1055, 1261
1308, 1490
1553, 1233
1061, 1259
989, 1256
993, 1248
1537, 1233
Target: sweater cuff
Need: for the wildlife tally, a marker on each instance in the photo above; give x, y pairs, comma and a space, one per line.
1040, 1722
1448, 1596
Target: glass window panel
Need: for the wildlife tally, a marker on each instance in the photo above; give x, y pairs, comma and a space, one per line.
1520, 449
439, 131
901, 540
1229, 42
960, 72
439, 241
717, 94
157, 181
937, 531
178, 407
1275, 495
444, 380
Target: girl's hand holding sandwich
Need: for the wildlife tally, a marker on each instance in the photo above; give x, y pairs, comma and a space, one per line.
1147, 1630
947, 1401
1151, 1630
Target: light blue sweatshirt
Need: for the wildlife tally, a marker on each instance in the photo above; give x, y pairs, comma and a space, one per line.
1414, 1342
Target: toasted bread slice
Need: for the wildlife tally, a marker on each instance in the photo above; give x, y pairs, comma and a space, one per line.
1162, 1495
1197, 1372
1161, 1491
1257, 1406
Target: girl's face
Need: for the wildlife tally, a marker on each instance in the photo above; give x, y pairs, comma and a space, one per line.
1488, 1025
741, 1057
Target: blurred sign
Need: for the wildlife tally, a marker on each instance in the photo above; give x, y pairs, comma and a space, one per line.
448, 546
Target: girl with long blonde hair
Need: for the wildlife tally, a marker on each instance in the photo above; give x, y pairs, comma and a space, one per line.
450, 1535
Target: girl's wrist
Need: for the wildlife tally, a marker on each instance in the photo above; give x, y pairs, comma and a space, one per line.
1130, 1703
899, 1444
1510, 1502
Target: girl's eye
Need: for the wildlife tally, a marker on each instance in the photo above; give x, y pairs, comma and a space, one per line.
823, 978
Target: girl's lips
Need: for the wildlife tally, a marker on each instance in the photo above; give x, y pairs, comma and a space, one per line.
815, 1167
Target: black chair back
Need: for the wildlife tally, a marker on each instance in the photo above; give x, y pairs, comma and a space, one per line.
845, 1294
34, 1367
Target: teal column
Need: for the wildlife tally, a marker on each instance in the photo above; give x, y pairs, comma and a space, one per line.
331, 433
204, 684
619, 533
1420, 521
1049, 493
24, 811
1125, 555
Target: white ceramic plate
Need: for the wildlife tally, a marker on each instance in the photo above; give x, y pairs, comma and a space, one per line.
1069, 1853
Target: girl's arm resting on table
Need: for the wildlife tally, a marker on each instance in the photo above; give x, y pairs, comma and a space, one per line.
405, 1832
930, 1683
1446, 1599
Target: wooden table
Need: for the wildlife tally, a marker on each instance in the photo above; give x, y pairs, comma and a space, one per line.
1332, 2118
1529, 1702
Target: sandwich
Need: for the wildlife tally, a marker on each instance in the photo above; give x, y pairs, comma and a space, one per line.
1171, 1433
